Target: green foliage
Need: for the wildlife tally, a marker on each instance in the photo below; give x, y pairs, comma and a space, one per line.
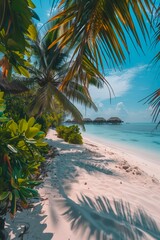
20, 158
70, 134
16, 23
50, 120
17, 106
60, 131
75, 138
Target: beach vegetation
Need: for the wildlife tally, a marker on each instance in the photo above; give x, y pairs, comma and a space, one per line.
70, 134
22, 147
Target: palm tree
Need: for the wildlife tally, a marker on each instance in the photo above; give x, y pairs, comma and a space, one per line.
47, 74
96, 32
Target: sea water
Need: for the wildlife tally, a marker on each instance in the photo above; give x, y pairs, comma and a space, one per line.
138, 135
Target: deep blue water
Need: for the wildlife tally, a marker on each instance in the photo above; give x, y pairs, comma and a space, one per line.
139, 135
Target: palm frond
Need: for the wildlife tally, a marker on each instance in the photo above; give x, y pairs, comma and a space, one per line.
154, 101
67, 105
14, 86
76, 92
99, 28
156, 59
43, 99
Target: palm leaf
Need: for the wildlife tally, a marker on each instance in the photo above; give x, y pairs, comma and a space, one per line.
14, 86
156, 59
76, 92
43, 99
154, 101
98, 28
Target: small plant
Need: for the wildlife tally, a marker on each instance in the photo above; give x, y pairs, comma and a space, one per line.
70, 134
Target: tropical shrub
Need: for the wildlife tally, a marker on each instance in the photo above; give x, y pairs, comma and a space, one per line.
70, 134
75, 138
17, 106
20, 160
60, 131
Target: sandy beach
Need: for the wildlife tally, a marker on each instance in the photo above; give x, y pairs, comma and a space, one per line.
95, 192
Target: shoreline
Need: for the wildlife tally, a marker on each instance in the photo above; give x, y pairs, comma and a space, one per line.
148, 160
92, 191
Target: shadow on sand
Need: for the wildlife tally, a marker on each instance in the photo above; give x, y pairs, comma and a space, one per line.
98, 217
29, 224
105, 220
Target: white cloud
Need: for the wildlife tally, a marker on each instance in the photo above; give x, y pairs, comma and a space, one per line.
120, 106
119, 81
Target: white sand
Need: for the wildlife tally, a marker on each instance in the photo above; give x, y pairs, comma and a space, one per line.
94, 192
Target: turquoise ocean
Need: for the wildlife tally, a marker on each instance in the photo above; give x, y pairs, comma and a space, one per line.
142, 136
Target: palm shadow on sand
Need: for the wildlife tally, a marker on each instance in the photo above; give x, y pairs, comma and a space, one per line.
105, 220
88, 160
99, 217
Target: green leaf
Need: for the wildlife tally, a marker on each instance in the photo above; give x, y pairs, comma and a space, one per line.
41, 144
13, 127
2, 48
16, 192
23, 71
13, 204
35, 15
32, 32
31, 132
10, 196
31, 122
31, 4
23, 125
4, 195
1, 95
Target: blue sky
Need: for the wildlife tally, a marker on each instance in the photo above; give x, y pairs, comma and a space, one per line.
136, 80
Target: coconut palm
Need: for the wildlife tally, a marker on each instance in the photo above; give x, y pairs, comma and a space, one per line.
96, 32
47, 74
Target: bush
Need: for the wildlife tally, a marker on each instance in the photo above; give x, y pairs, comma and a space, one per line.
70, 134
60, 131
75, 138
20, 160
